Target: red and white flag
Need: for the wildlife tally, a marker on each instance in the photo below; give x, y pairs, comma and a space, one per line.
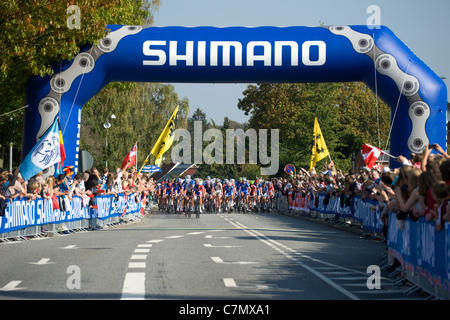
370, 154
132, 155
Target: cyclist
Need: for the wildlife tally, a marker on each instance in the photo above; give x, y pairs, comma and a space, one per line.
244, 190
176, 193
217, 193
229, 191
189, 195
208, 191
199, 191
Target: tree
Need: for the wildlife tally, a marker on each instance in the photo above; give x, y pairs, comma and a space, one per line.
34, 34
141, 111
346, 112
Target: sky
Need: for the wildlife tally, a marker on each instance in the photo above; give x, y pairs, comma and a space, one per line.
424, 26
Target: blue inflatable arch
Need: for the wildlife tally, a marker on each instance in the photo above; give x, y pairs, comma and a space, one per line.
416, 95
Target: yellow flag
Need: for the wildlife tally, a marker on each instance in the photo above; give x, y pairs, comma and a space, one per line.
158, 161
165, 140
319, 148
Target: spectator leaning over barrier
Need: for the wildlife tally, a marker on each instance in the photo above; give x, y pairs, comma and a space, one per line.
63, 187
440, 194
12, 188
409, 198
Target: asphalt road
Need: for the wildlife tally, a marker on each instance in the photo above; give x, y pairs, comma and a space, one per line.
216, 257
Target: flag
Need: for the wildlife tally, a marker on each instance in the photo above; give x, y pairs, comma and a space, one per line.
61, 146
132, 155
165, 140
319, 147
44, 154
370, 155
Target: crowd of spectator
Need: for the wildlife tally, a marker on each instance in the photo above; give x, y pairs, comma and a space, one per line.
419, 187
85, 185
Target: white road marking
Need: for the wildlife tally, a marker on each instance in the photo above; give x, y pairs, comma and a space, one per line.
137, 265
211, 237
229, 283
155, 241
275, 245
138, 257
208, 245
145, 245
12, 286
43, 261
141, 250
134, 286
72, 246
219, 260
194, 233
174, 237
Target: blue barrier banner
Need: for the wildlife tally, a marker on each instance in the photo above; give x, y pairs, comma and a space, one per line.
20, 214
421, 249
363, 210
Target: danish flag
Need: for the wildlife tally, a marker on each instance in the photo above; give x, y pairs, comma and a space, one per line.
370, 154
132, 155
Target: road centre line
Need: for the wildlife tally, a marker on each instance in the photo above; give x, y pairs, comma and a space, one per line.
134, 286
273, 244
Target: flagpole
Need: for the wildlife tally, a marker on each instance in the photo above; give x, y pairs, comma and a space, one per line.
146, 159
389, 154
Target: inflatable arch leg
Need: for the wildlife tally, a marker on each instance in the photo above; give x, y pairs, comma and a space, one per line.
416, 95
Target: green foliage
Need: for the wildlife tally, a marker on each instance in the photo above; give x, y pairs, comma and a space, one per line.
34, 34
141, 111
346, 112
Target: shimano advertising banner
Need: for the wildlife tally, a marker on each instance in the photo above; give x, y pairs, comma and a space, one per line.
20, 214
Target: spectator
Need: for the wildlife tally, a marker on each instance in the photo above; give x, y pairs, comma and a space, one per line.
440, 194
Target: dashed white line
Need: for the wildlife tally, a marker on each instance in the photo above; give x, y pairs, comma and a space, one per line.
219, 260
229, 283
274, 244
208, 245
134, 286
43, 261
144, 245
174, 237
72, 246
137, 265
211, 237
12, 286
138, 257
141, 250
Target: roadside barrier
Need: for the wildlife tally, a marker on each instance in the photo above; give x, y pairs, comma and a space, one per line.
364, 213
423, 253
27, 218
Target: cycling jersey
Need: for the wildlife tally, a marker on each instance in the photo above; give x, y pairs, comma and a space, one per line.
199, 189
208, 188
228, 190
244, 188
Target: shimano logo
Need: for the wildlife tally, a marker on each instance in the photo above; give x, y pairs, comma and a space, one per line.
234, 53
